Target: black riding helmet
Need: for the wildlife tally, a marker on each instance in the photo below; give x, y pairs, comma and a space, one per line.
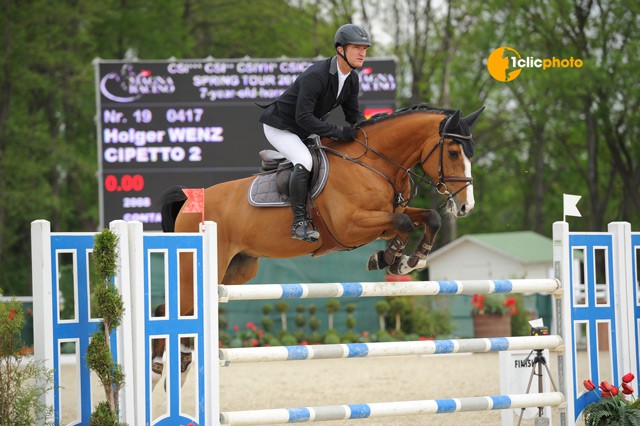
351, 34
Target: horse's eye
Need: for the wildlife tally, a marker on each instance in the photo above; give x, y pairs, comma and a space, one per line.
453, 155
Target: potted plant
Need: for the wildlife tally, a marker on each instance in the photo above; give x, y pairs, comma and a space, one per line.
615, 406
491, 314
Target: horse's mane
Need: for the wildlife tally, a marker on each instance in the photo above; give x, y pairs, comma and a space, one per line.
404, 111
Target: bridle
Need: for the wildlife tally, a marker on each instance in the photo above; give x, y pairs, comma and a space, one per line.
442, 178
398, 198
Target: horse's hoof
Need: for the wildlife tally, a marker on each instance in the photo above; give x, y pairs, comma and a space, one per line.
389, 258
376, 261
400, 266
417, 262
185, 361
395, 268
157, 368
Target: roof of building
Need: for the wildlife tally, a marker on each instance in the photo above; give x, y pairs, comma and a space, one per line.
523, 246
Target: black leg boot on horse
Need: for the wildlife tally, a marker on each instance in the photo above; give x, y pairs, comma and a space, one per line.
298, 190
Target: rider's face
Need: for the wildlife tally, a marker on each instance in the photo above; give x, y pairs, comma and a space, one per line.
355, 53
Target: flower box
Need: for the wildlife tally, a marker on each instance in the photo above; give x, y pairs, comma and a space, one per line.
492, 325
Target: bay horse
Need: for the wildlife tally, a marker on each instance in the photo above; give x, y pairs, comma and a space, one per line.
365, 197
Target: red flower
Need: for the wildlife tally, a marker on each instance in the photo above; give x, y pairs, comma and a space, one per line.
236, 327
478, 301
606, 386
12, 314
626, 389
614, 391
304, 342
628, 378
510, 301
589, 385
423, 338
251, 326
260, 333
254, 342
365, 334
606, 395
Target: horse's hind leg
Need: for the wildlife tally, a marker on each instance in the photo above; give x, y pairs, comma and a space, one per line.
392, 254
393, 257
241, 269
157, 351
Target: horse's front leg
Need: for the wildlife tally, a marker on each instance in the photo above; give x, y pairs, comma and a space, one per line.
431, 221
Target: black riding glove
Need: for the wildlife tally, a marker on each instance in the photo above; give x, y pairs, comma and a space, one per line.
347, 133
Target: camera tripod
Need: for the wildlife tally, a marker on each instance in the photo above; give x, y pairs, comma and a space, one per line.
539, 361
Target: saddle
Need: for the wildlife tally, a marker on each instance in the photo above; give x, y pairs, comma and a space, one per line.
270, 188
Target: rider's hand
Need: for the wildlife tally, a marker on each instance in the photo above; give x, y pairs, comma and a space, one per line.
348, 133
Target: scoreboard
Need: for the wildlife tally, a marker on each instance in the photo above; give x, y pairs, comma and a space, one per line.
195, 123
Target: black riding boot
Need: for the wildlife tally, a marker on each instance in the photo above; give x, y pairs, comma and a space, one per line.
298, 190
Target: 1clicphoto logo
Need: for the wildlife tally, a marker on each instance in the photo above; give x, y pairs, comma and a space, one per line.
505, 63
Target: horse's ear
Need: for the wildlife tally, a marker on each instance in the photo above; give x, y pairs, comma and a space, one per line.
453, 122
471, 118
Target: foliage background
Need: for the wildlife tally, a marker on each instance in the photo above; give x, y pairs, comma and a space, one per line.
547, 132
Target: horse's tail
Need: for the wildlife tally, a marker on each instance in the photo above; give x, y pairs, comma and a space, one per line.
171, 202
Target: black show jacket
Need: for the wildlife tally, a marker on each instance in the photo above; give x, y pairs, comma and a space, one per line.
304, 106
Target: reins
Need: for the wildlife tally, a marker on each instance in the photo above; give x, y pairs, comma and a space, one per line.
398, 199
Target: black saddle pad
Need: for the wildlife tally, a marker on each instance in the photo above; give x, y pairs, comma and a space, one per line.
264, 189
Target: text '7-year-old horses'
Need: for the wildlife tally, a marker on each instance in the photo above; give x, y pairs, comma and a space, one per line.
365, 196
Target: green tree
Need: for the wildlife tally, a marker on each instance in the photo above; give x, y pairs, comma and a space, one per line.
283, 307
332, 306
397, 307
301, 321
23, 381
267, 322
110, 307
382, 308
47, 145
351, 319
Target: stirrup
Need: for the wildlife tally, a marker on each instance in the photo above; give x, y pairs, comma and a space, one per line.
304, 231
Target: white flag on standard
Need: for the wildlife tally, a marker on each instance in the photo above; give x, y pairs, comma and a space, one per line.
570, 205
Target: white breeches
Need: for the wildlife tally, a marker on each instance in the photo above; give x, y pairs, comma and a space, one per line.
289, 145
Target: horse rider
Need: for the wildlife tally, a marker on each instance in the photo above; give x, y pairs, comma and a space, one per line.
301, 112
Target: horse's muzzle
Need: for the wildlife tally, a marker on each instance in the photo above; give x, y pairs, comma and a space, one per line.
458, 210
465, 209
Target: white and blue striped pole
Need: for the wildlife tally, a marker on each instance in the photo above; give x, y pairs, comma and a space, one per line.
386, 409
364, 350
384, 289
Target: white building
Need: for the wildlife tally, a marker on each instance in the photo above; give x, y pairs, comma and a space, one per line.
524, 254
